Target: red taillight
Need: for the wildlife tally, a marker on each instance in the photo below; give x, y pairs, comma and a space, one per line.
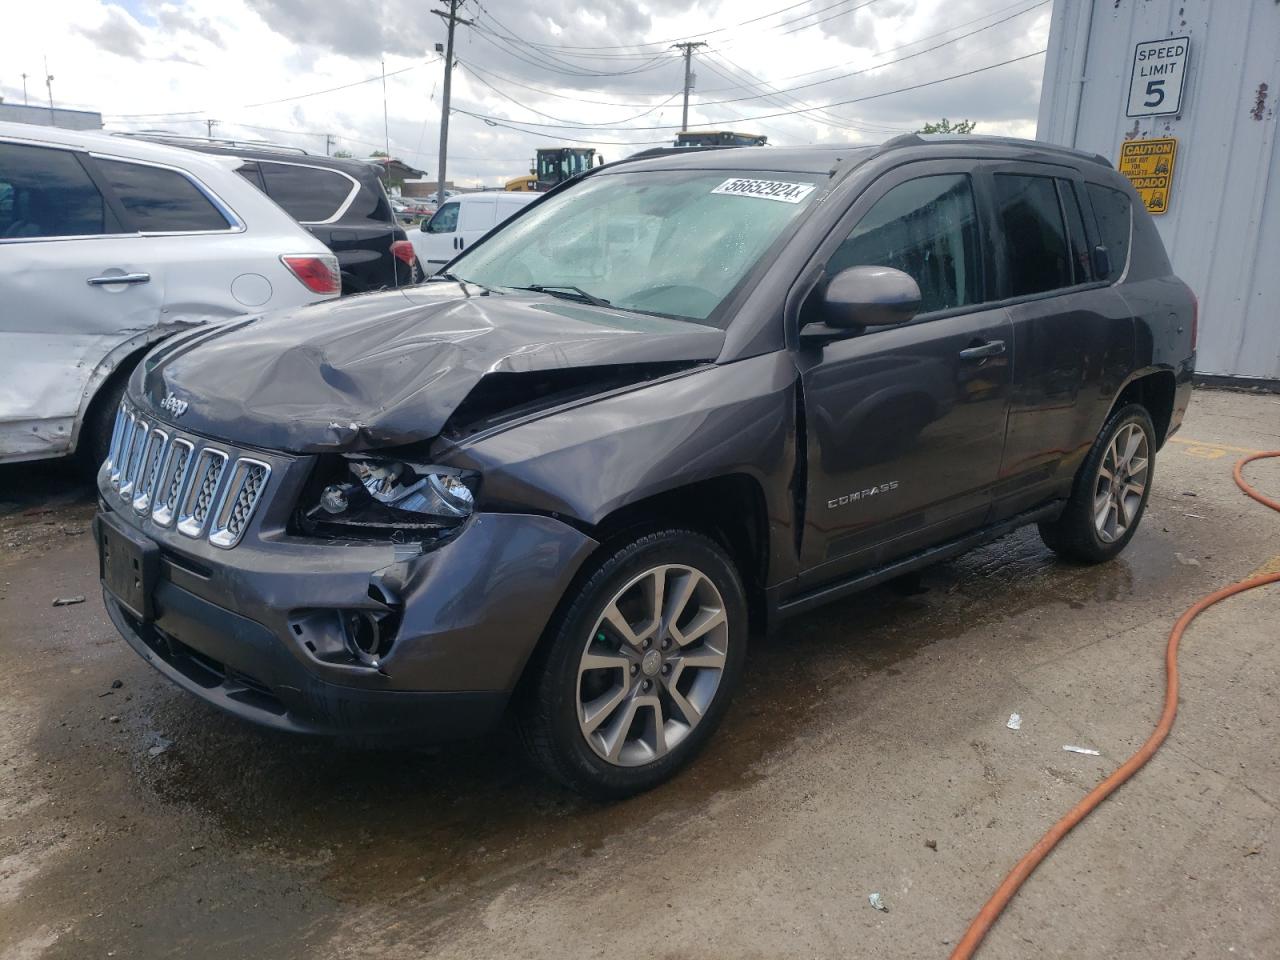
403, 250
318, 274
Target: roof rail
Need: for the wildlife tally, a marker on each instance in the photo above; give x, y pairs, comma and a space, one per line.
927, 139
178, 139
669, 151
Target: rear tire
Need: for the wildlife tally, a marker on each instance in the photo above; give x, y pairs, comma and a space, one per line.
620, 698
1110, 493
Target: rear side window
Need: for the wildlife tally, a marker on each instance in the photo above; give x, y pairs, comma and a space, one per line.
927, 228
1035, 238
161, 201
445, 220
251, 173
1082, 269
47, 193
1111, 207
308, 194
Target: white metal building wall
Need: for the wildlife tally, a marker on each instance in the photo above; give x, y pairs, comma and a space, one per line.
1222, 228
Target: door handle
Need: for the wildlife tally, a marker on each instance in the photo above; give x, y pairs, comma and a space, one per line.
120, 278
462, 244
992, 348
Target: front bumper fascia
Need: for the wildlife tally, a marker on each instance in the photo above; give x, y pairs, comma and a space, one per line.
238, 627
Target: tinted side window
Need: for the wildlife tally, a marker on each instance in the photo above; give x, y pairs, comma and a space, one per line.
1035, 238
307, 194
47, 193
1082, 268
161, 201
251, 173
445, 220
927, 228
1111, 207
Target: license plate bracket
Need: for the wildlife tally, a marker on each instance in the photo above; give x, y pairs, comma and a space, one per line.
128, 564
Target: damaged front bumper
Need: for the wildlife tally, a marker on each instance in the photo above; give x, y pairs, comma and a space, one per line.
269, 629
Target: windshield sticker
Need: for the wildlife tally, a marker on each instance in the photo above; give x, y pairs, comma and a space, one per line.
766, 189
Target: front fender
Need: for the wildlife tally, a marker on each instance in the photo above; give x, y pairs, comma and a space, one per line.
586, 462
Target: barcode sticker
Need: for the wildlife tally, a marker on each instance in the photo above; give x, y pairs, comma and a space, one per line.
765, 189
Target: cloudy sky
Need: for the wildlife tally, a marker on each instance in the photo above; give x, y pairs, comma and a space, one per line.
530, 74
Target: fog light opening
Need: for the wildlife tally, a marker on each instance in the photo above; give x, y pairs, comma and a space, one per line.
366, 640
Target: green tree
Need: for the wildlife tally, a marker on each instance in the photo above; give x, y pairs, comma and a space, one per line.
342, 154
946, 126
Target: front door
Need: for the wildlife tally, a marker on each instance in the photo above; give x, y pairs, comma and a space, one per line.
906, 424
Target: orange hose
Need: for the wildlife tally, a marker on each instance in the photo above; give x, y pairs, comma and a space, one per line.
991, 911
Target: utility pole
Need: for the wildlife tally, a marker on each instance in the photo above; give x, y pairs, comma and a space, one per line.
48, 82
209, 125
452, 19
688, 49
329, 140
25, 101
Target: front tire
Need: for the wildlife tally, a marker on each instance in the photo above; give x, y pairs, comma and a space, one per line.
1110, 493
639, 669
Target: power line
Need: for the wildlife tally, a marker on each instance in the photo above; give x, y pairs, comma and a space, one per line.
887, 63
524, 106
565, 48
268, 103
824, 106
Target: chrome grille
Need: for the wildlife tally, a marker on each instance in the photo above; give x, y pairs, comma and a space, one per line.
113, 452
133, 455
149, 470
172, 478
122, 455
238, 502
181, 479
198, 500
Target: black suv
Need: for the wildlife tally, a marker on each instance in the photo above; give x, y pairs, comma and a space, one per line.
677, 399
341, 202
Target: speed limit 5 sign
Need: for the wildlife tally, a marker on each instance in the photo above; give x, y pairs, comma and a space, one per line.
1158, 68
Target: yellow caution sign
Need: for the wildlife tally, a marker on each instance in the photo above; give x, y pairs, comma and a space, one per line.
1149, 166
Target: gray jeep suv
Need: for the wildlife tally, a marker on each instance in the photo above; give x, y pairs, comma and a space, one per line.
675, 400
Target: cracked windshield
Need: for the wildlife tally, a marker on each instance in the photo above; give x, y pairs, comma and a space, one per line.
670, 243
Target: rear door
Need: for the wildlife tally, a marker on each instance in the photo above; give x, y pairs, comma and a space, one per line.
74, 285
475, 218
1073, 332
339, 213
905, 424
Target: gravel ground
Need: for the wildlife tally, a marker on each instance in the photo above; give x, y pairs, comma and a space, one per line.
867, 753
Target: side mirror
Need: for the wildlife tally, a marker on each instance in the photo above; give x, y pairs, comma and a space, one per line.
859, 297
423, 226
1101, 262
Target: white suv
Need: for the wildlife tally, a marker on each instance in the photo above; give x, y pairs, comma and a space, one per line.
108, 245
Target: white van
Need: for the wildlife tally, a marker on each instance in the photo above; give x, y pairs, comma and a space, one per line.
463, 220
107, 246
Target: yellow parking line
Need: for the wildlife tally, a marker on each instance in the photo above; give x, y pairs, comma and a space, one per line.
1212, 446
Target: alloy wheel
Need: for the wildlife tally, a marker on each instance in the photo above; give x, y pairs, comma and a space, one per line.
1121, 483
652, 664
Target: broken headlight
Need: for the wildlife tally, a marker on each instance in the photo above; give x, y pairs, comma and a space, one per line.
375, 497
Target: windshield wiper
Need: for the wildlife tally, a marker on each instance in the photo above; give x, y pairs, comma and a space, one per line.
454, 278
566, 291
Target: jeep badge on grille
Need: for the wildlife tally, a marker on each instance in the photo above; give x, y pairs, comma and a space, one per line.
174, 405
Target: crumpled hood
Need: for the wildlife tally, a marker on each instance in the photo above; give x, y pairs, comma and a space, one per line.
388, 368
